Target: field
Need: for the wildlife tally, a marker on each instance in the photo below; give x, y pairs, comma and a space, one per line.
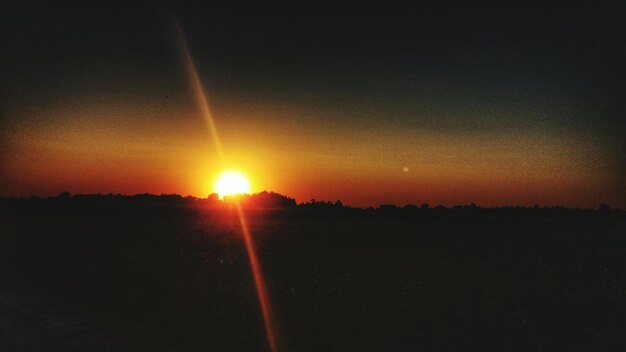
173, 275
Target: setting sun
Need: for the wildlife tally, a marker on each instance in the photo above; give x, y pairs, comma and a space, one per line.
231, 182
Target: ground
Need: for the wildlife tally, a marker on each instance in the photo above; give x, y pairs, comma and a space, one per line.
174, 276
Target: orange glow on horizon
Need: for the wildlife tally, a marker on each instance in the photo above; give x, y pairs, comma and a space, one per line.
84, 155
133, 144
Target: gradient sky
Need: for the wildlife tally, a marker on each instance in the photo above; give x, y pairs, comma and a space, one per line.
448, 104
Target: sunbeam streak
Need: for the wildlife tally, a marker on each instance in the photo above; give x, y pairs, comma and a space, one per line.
198, 90
259, 281
255, 264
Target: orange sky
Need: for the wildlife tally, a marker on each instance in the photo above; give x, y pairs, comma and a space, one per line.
119, 147
500, 106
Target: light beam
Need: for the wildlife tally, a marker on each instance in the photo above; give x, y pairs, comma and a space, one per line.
259, 281
198, 89
255, 264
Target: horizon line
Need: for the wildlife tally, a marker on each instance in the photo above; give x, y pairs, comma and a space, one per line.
213, 197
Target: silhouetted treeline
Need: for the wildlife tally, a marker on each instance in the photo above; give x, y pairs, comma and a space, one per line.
275, 200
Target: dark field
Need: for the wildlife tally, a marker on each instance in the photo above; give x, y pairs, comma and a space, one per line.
158, 275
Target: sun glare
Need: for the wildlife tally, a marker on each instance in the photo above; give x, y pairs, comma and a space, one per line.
231, 183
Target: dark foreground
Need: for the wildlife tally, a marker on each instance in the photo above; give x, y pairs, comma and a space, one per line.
162, 276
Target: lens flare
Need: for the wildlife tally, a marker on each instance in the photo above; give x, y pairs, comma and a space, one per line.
232, 183
259, 281
198, 89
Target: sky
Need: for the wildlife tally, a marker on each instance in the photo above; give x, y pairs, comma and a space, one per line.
447, 104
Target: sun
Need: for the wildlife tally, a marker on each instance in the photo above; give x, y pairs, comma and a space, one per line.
231, 183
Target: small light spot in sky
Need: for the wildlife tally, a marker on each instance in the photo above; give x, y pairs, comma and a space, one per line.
405, 169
